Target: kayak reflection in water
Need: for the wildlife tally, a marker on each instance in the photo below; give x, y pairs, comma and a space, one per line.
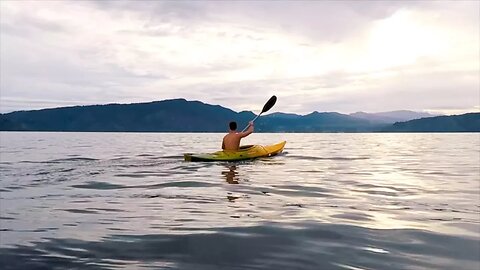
231, 141
231, 175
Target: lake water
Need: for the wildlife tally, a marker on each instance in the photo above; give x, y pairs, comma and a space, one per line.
331, 201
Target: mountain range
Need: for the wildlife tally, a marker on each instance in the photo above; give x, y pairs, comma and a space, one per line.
180, 115
392, 117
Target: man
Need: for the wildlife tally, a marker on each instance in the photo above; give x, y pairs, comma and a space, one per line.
231, 141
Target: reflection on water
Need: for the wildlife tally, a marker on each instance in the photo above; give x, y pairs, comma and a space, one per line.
230, 174
332, 201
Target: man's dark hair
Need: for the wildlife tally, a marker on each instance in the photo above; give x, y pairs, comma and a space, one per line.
233, 125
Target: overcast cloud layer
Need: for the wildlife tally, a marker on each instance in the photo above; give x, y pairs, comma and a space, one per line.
317, 55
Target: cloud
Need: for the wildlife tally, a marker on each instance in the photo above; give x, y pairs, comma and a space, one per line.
337, 56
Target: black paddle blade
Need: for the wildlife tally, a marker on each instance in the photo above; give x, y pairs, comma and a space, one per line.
269, 104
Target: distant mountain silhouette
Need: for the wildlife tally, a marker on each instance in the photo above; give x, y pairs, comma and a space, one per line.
469, 122
180, 115
392, 117
177, 115
315, 122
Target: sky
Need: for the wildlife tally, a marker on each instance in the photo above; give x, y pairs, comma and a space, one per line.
343, 56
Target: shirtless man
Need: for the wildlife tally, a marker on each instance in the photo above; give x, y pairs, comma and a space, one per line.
231, 141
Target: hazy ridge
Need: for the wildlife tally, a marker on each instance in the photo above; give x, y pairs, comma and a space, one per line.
180, 115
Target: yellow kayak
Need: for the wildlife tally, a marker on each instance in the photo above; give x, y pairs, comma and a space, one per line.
246, 152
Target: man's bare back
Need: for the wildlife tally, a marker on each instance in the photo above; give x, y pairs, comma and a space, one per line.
231, 141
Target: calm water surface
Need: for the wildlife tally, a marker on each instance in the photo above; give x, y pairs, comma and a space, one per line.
331, 201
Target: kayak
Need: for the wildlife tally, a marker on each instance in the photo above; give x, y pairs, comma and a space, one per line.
244, 153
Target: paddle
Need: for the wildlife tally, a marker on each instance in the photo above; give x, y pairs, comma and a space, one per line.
266, 107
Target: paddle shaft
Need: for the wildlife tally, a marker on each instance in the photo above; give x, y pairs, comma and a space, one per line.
266, 107
252, 121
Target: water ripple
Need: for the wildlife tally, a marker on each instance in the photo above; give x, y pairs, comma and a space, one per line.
268, 246
331, 201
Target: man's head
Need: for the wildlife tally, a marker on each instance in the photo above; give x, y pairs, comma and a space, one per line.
233, 125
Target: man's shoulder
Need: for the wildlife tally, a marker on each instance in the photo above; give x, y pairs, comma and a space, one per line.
232, 134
